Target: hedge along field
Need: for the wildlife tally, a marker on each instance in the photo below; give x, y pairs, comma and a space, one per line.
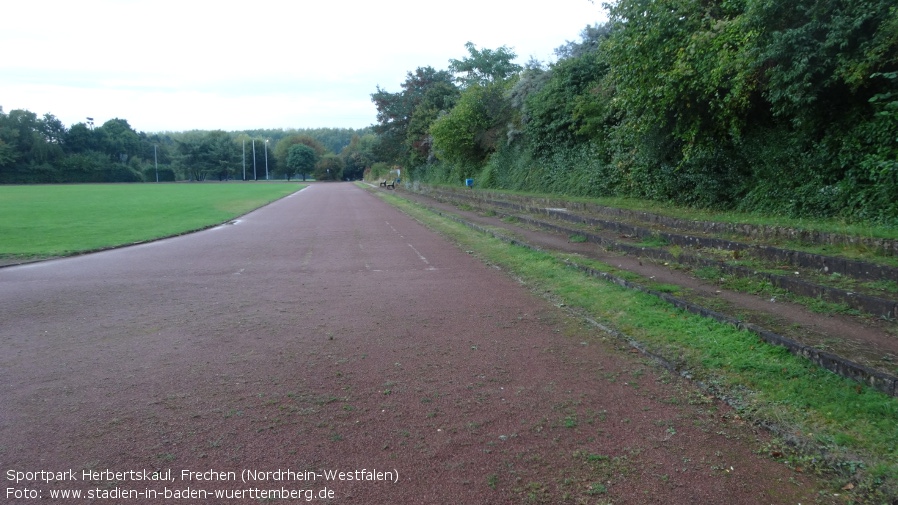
57, 220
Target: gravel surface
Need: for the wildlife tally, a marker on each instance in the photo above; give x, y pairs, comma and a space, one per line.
328, 332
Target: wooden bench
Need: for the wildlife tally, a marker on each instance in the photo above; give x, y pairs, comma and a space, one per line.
392, 184
383, 183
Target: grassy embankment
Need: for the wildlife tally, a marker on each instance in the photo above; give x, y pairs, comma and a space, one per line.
842, 428
819, 225
57, 220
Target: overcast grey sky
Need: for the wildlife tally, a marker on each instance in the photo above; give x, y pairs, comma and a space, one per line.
175, 65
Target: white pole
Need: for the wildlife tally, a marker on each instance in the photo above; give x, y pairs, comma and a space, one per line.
255, 178
244, 159
266, 159
155, 159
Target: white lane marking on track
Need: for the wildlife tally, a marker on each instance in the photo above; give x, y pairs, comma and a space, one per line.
362, 248
429, 266
394, 229
291, 195
225, 225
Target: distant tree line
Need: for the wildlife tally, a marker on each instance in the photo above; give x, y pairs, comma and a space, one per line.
42, 150
781, 107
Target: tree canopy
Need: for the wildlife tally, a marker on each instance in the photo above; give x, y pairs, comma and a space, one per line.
36, 149
788, 108
483, 66
301, 159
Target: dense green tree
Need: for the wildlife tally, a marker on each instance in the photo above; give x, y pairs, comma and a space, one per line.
358, 156
682, 67
822, 53
475, 127
332, 139
154, 157
767, 103
156, 147
27, 147
438, 98
823, 65
282, 148
591, 39
52, 129
7, 154
329, 168
301, 159
571, 106
119, 140
396, 112
20, 130
482, 67
205, 154
80, 138
530, 81
431, 105
42, 150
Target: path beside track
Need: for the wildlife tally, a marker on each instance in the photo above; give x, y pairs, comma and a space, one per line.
328, 331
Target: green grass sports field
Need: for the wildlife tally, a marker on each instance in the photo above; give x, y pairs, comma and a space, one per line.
55, 220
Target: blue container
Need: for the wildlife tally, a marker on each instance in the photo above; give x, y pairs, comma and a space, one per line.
469, 183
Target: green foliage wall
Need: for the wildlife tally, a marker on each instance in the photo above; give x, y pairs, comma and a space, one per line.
783, 107
467, 134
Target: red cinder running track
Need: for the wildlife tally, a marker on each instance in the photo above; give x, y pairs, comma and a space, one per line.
328, 332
